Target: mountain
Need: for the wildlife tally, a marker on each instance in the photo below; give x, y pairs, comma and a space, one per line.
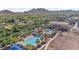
53, 12
6, 12
38, 10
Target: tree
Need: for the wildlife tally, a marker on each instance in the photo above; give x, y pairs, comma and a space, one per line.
29, 47
13, 39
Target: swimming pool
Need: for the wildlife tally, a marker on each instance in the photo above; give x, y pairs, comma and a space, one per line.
31, 41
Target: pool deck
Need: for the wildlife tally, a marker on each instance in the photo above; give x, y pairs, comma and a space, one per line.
29, 40
28, 37
24, 39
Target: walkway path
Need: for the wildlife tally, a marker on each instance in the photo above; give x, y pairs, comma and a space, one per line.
41, 48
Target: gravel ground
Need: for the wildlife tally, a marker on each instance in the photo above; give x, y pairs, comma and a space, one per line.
65, 41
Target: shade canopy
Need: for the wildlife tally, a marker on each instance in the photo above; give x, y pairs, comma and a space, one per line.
15, 47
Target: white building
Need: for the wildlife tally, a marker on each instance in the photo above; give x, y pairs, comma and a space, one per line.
75, 28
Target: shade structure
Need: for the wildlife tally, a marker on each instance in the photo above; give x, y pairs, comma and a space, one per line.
15, 47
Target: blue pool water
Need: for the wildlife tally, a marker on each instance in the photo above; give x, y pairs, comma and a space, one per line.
31, 41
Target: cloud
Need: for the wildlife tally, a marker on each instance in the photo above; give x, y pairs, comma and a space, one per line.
15, 5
